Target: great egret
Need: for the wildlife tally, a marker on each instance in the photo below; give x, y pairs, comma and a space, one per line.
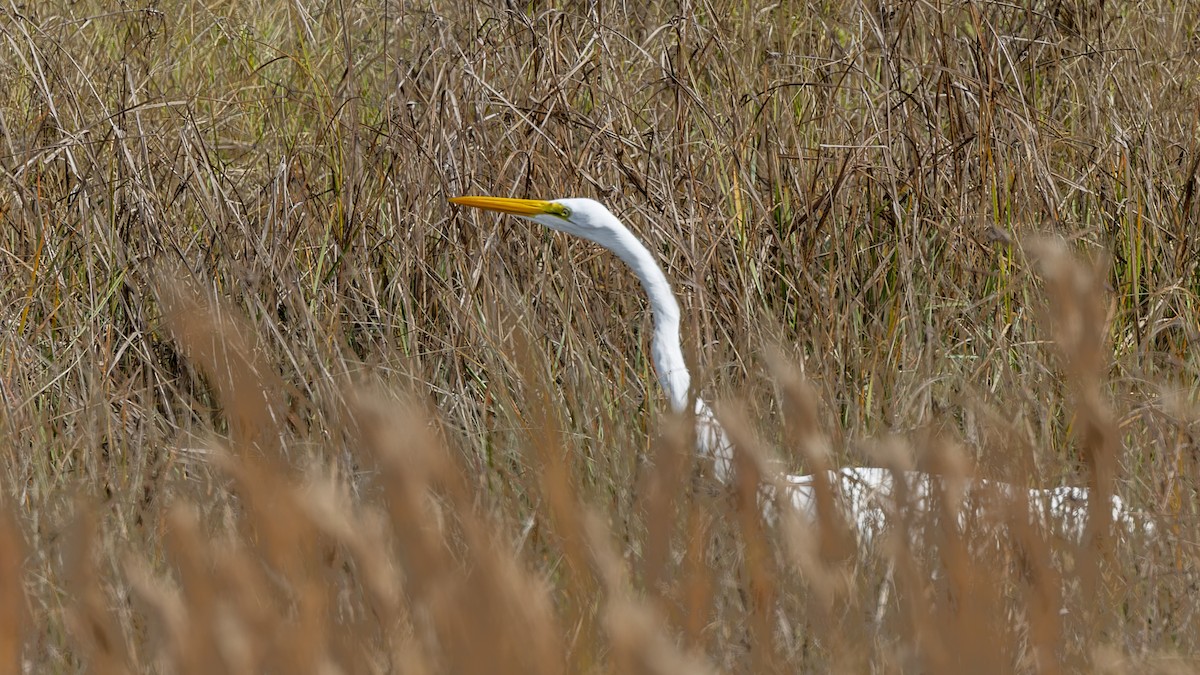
865, 493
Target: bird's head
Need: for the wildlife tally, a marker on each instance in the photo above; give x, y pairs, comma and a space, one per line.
581, 217
589, 219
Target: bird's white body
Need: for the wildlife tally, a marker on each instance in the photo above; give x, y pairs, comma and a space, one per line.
869, 500
866, 496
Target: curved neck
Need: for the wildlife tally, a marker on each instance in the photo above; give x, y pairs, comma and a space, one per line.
665, 348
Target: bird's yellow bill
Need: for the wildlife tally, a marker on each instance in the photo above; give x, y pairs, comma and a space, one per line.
519, 207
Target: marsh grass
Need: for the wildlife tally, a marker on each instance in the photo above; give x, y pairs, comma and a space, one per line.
270, 404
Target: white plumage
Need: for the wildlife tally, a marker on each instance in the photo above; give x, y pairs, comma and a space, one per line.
866, 496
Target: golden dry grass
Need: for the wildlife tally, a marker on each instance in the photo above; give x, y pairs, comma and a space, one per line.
271, 405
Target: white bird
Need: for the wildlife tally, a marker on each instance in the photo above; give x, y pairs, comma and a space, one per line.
865, 494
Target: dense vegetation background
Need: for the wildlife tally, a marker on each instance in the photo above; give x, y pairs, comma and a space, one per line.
270, 403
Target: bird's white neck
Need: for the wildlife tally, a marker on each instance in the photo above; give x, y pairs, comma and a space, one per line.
665, 348
595, 222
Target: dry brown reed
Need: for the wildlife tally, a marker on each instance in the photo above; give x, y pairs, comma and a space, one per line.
268, 404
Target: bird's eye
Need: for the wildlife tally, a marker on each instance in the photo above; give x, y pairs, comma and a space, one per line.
564, 212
